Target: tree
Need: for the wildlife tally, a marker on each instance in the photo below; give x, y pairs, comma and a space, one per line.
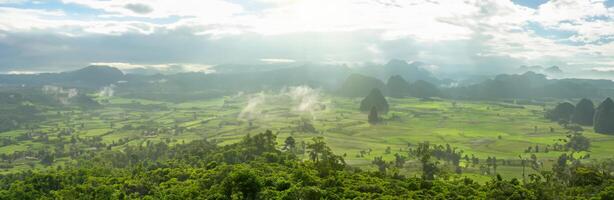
243, 181
429, 168
578, 142
375, 98
373, 117
323, 157
562, 112
604, 117
397, 87
560, 168
47, 159
584, 113
399, 160
289, 143
381, 164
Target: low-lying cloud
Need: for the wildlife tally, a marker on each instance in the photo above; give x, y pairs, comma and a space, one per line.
253, 109
107, 91
60, 94
301, 100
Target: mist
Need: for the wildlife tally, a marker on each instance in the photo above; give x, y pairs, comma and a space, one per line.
60, 94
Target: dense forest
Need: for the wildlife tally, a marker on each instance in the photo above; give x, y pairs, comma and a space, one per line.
257, 168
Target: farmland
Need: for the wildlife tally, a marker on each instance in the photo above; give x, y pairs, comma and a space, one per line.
479, 129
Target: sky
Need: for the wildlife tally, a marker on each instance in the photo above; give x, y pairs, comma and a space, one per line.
452, 36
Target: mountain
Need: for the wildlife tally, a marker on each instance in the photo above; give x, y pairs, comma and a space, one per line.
397, 87
423, 89
584, 113
94, 76
526, 68
533, 85
604, 117
357, 85
553, 70
409, 71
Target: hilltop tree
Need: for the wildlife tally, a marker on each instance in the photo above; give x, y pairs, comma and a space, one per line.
374, 99
397, 87
604, 117
584, 113
423, 89
373, 118
562, 112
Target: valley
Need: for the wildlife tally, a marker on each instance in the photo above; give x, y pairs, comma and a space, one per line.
476, 129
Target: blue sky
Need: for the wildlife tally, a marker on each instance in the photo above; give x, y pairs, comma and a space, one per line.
474, 36
530, 3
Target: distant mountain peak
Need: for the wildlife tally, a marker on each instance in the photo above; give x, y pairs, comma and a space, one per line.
95, 75
409, 71
396, 62
553, 69
99, 69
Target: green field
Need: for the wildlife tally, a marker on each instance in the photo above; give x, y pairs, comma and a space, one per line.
481, 129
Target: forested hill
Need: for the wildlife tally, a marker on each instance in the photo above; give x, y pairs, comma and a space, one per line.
258, 168
337, 79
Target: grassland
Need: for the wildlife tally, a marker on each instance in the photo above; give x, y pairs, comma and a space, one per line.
477, 128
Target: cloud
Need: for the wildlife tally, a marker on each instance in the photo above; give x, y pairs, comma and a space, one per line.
276, 60
159, 68
212, 10
306, 98
12, 1
60, 94
107, 91
138, 8
300, 99
253, 109
473, 35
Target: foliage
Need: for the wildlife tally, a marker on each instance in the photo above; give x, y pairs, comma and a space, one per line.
577, 142
254, 169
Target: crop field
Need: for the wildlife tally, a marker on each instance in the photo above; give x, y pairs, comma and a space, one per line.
480, 129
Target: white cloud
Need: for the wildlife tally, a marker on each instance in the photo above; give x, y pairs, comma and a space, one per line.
212, 10
276, 60
556, 11
12, 1
57, 21
478, 29
169, 67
